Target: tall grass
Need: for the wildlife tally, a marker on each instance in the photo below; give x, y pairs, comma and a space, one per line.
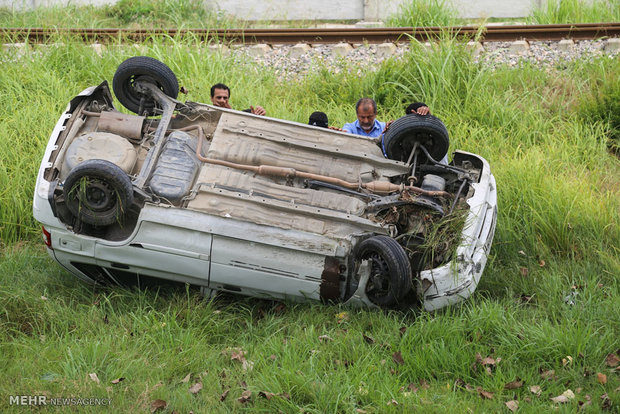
576, 11
124, 13
424, 13
550, 290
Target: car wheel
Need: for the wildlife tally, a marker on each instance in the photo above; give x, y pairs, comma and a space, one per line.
390, 271
98, 192
426, 130
143, 68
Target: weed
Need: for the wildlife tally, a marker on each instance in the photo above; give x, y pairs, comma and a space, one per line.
424, 13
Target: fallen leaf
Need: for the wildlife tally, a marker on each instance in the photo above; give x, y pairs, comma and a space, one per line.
266, 394
487, 360
521, 252
512, 405
393, 402
411, 387
195, 388
43, 298
535, 389
601, 378
245, 396
237, 354
612, 360
94, 377
187, 378
272, 357
402, 330
116, 381
325, 338
398, 358
548, 375
513, 385
567, 360
158, 405
606, 402
424, 384
524, 271
484, 394
285, 395
360, 411
564, 398
488, 371
247, 365
541, 263
224, 395
578, 390
368, 339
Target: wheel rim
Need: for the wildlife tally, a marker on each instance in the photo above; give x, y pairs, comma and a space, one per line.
379, 283
96, 195
136, 96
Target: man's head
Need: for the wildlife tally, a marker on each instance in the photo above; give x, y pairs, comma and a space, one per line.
366, 110
318, 119
419, 108
220, 94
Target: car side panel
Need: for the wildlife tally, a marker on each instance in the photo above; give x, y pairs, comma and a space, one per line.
264, 270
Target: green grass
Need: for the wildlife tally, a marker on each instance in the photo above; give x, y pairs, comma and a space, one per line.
425, 13
124, 13
576, 11
547, 141
55, 331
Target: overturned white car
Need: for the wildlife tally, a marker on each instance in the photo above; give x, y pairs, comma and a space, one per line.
230, 201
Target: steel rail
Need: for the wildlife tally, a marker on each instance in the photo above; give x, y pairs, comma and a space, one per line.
350, 35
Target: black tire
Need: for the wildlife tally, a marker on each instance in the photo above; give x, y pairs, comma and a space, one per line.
98, 192
390, 274
143, 68
426, 130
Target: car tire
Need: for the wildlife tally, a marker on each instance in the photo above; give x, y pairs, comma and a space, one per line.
390, 274
98, 192
426, 130
143, 68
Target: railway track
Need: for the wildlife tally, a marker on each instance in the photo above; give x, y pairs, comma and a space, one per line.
349, 35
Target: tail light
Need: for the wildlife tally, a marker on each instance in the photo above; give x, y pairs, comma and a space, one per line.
47, 237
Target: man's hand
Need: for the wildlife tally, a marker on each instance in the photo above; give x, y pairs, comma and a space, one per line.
423, 110
225, 105
258, 110
387, 126
335, 128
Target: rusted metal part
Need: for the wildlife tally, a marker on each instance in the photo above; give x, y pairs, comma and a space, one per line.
330, 280
127, 125
336, 35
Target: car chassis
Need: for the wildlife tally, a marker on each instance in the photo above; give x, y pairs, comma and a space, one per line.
230, 201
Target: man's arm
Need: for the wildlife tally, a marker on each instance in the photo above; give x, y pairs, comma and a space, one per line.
349, 128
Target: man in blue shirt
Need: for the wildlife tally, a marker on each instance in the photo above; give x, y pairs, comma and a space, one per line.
366, 124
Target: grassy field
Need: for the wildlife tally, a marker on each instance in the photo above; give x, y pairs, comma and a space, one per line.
201, 15
543, 321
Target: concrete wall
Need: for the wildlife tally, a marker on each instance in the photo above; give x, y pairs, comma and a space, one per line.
369, 10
